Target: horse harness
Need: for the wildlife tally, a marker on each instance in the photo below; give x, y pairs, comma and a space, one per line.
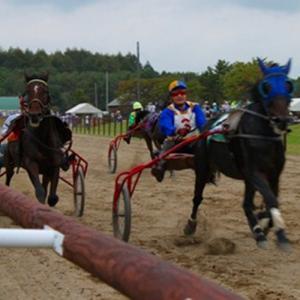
230, 125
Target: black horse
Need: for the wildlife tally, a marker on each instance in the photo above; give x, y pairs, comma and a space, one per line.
254, 153
39, 149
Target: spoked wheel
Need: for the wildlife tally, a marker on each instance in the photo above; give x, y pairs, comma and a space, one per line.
122, 216
79, 193
112, 159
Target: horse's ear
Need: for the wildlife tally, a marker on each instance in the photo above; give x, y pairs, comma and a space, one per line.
262, 66
27, 76
287, 67
45, 76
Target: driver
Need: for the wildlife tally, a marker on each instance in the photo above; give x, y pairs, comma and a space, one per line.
180, 118
132, 121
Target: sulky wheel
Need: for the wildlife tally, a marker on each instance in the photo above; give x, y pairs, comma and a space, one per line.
112, 158
122, 216
79, 193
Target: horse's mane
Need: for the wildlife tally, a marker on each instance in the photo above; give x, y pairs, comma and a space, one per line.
141, 115
254, 93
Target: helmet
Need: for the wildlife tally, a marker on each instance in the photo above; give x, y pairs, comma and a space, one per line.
137, 105
177, 84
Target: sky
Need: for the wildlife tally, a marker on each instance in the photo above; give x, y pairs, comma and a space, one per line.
174, 35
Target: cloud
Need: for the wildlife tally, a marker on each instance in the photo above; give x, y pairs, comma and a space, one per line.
174, 35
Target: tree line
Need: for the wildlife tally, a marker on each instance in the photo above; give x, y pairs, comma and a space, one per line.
74, 73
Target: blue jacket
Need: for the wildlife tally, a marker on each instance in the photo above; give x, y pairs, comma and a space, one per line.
166, 120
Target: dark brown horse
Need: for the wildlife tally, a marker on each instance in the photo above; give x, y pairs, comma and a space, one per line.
145, 128
39, 149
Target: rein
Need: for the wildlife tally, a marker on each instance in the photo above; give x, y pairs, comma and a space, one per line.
254, 136
56, 149
257, 137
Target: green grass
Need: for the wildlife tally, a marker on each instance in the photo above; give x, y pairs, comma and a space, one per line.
293, 142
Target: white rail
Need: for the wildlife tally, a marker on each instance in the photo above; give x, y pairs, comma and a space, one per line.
32, 238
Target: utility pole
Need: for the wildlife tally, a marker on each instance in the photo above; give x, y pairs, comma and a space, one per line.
138, 87
106, 90
96, 95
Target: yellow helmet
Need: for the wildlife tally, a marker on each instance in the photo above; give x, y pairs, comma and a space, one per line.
177, 84
137, 105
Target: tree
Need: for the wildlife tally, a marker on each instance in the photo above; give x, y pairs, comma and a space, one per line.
240, 79
212, 81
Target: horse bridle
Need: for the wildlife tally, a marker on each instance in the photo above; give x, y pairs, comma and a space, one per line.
45, 107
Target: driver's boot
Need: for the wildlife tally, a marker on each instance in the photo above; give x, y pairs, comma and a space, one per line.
127, 138
158, 170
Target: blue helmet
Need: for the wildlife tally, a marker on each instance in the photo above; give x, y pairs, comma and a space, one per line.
176, 85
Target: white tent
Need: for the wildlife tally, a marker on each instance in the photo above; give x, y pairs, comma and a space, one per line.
85, 109
295, 105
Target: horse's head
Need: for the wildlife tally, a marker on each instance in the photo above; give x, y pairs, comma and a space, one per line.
37, 98
276, 90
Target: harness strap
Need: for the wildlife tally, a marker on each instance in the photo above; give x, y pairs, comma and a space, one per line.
37, 80
257, 137
254, 113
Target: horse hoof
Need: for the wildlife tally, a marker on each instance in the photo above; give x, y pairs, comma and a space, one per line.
52, 201
262, 244
285, 246
282, 241
190, 227
42, 201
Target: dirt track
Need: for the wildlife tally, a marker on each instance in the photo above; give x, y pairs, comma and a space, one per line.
159, 213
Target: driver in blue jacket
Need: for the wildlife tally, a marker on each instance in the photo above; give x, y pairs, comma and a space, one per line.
178, 120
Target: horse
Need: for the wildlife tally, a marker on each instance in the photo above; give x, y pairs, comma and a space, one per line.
42, 137
145, 128
254, 153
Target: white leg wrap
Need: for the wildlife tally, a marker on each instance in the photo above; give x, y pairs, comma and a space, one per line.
264, 223
256, 227
277, 219
193, 220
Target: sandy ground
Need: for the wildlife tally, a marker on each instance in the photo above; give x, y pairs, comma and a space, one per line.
160, 211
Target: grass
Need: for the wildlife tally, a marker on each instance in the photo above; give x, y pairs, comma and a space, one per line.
293, 141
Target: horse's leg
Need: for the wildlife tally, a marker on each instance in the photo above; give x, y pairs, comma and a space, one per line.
45, 183
248, 207
33, 172
191, 225
53, 198
202, 175
261, 184
264, 217
8, 162
149, 145
9, 174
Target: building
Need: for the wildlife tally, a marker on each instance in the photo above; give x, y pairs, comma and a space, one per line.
9, 105
115, 105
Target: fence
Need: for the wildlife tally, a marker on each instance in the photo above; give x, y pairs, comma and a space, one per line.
106, 126
130, 270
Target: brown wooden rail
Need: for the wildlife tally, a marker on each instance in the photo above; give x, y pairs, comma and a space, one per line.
126, 268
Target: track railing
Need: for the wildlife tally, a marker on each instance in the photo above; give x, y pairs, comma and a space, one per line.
131, 271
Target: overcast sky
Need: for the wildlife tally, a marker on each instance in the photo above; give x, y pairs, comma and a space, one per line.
174, 35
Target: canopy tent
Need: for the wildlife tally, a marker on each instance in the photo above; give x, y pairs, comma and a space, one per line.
85, 109
295, 105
